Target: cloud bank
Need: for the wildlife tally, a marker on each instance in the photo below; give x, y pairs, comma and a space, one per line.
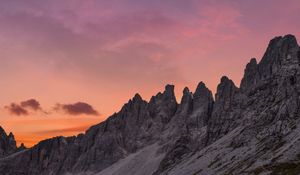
33, 106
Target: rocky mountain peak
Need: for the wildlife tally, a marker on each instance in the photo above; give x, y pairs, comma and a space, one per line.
250, 66
2, 132
187, 95
11, 135
201, 88
222, 119
168, 95
202, 104
252, 62
21, 147
287, 41
11, 139
7, 143
225, 79
134, 103
201, 93
251, 75
137, 98
281, 51
186, 102
279, 46
186, 91
164, 104
225, 89
169, 92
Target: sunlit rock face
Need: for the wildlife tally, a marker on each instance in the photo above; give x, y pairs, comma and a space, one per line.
251, 129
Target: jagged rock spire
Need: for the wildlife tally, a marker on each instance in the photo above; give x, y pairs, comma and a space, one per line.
7, 143
22, 147
137, 97
202, 104
202, 94
222, 117
185, 106
133, 110
2, 132
225, 90
251, 75
169, 91
281, 51
164, 104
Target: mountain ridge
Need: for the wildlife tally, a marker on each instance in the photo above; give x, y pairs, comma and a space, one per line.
190, 134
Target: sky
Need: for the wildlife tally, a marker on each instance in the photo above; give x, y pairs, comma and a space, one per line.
66, 65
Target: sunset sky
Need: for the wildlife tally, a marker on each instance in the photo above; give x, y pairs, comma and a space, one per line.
66, 65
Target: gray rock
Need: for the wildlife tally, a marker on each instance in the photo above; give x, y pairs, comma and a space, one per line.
280, 52
185, 107
251, 76
7, 143
225, 111
163, 106
202, 105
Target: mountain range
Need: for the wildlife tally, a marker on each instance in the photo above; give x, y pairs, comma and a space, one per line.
251, 129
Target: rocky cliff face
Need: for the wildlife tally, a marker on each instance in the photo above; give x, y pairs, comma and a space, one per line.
253, 129
8, 144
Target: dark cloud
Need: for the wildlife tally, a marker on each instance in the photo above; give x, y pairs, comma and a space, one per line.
16, 109
32, 104
24, 107
77, 108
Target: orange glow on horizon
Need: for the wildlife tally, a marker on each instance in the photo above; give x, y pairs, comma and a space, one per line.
32, 130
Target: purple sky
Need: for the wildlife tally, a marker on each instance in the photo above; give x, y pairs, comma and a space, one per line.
103, 52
